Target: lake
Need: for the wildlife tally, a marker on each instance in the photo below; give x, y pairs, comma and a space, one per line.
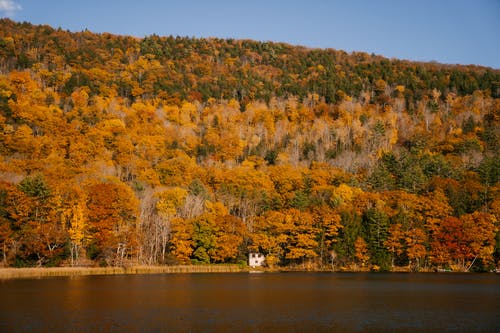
245, 302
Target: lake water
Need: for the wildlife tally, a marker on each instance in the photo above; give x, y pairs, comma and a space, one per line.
243, 302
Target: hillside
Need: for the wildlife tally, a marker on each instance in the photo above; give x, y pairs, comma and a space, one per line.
118, 150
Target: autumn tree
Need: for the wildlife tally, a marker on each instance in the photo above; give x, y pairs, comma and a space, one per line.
41, 232
112, 216
269, 236
302, 240
169, 203
416, 250
230, 235
181, 241
361, 251
8, 203
78, 229
328, 224
395, 242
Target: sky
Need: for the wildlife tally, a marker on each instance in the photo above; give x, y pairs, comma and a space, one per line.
446, 31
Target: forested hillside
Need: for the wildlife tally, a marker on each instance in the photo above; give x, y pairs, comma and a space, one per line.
118, 150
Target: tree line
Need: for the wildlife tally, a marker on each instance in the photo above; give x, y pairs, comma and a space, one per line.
162, 150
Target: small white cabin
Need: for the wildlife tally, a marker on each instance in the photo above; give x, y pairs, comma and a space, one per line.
256, 259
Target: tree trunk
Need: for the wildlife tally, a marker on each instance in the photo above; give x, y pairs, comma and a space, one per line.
4, 255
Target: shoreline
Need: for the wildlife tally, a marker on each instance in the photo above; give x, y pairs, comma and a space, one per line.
42, 272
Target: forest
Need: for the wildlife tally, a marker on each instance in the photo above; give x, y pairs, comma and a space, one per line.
117, 150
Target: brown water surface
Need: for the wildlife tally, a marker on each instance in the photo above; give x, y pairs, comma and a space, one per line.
242, 302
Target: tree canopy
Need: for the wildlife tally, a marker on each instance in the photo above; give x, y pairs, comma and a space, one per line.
166, 150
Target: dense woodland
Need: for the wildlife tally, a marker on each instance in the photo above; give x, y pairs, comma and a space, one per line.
118, 150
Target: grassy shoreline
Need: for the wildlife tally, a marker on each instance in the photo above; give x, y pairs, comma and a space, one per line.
40, 272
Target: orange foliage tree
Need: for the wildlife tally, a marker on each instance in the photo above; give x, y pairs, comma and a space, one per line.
112, 215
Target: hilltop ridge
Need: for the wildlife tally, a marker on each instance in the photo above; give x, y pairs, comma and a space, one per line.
246, 70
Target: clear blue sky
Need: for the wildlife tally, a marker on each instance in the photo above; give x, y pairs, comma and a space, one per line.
447, 31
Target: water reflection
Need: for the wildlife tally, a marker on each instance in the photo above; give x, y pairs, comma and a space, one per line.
285, 302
